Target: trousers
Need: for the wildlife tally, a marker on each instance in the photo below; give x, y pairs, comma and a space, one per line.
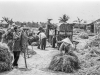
16, 57
43, 43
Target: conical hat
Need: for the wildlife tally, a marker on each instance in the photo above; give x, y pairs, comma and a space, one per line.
67, 40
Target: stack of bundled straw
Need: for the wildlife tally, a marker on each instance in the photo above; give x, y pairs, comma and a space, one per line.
5, 58
32, 52
65, 63
83, 35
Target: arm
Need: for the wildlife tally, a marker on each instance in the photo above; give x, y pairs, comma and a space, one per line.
40, 37
61, 47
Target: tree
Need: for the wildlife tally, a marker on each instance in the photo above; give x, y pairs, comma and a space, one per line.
64, 19
85, 21
79, 21
9, 21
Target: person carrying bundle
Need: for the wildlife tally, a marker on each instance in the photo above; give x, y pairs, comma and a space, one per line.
16, 46
65, 62
66, 45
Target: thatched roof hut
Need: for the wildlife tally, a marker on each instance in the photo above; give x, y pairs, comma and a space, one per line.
4, 24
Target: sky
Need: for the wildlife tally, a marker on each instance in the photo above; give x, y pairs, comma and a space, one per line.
41, 10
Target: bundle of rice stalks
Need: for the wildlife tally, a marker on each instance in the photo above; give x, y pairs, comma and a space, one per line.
32, 52
34, 43
24, 42
33, 39
89, 71
5, 58
93, 42
4, 38
83, 35
64, 63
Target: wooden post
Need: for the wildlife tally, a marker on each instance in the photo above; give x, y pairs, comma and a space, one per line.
25, 60
27, 53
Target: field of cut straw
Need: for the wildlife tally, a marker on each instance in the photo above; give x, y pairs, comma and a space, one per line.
39, 64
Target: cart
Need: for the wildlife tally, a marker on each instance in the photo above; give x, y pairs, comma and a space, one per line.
64, 30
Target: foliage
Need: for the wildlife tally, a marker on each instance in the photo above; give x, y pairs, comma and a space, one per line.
64, 18
9, 21
83, 35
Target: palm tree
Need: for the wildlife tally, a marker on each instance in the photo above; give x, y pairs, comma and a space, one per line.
9, 21
64, 19
79, 21
1, 20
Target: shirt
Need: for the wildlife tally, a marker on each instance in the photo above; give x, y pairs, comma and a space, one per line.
51, 32
42, 35
17, 42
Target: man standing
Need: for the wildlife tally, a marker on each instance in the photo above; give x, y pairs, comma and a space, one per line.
16, 46
42, 39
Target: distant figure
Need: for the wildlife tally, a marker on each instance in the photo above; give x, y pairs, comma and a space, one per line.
51, 34
38, 40
39, 43
42, 39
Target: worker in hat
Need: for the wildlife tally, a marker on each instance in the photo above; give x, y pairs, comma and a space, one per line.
66, 45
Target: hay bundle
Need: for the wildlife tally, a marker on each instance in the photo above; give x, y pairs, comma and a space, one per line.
8, 39
83, 35
4, 38
33, 39
24, 42
5, 58
64, 63
32, 52
34, 43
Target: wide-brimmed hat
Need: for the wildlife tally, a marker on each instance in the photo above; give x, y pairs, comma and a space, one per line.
67, 40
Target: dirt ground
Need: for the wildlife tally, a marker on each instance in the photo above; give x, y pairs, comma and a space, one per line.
37, 64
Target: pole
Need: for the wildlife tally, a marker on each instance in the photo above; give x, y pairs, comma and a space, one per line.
22, 40
25, 60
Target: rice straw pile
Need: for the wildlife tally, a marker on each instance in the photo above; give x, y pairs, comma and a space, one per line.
65, 63
5, 58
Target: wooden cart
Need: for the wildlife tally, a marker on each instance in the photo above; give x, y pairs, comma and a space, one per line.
64, 30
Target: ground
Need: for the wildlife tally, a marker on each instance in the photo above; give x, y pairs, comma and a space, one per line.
37, 64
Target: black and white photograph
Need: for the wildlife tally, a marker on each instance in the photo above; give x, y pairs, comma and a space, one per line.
49, 37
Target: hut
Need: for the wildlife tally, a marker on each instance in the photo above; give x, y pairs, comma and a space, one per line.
94, 27
4, 24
